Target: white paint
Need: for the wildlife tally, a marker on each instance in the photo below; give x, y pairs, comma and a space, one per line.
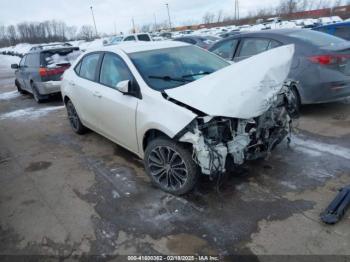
29, 113
9, 95
242, 90
321, 148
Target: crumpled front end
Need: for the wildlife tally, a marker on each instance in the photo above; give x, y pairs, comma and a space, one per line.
221, 143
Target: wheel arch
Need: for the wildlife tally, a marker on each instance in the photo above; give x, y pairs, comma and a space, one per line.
150, 135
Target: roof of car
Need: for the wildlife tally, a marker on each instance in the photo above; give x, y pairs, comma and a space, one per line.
134, 47
346, 23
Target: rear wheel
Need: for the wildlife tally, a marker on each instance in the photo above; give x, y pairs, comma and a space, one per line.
170, 166
74, 119
37, 96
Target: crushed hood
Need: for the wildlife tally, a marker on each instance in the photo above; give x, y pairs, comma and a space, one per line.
242, 90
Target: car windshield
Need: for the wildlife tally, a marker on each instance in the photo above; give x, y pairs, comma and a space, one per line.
172, 67
316, 38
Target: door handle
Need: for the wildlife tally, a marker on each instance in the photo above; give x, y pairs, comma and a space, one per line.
97, 94
71, 83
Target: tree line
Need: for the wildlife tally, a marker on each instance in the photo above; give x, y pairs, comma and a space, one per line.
43, 32
285, 7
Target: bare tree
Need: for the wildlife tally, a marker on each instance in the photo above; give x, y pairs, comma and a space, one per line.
86, 32
219, 16
208, 18
12, 34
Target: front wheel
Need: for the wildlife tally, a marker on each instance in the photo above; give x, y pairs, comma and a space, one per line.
170, 166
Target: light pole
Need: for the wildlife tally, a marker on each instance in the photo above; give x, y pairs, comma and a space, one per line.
167, 7
93, 18
155, 22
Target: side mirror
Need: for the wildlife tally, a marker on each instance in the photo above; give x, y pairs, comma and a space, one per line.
124, 86
14, 66
105, 42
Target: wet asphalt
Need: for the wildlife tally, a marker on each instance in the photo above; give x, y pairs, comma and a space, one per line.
65, 194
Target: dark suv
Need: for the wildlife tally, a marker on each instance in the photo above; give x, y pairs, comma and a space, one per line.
39, 72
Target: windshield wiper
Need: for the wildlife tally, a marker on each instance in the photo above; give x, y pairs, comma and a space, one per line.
198, 74
169, 78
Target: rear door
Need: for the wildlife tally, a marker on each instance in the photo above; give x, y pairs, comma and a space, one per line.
116, 111
86, 89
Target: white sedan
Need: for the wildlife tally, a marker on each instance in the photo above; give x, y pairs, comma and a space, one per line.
185, 111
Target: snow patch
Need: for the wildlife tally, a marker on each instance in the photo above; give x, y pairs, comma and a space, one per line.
29, 113
9, 95
320, 148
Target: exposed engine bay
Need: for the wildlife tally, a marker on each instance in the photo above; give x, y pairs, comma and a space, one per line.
221, 143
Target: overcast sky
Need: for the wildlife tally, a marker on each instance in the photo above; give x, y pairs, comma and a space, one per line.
120, 12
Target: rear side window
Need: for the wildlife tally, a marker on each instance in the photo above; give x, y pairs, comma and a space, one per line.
253, 46
226, 49
88, 66
130, 38
33, 60
144, 37
343, 32
113, 71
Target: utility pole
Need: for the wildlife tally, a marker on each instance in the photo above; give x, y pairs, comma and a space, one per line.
167, 7
133, 25
236, 10
93, 18
155, 22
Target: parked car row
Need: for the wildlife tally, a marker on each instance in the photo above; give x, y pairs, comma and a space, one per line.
321, 64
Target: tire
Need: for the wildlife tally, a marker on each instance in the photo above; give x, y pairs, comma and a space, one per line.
19, 88
74, 119
37, 96
295, 110
170, 166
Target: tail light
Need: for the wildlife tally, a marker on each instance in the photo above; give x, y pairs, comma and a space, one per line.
44, 71
338, 62
330, 59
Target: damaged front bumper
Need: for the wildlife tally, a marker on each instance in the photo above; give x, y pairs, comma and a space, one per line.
221, 143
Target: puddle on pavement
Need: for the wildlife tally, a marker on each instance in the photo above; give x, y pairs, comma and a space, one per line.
37, 166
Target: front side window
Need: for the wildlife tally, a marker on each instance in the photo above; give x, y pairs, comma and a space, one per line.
113, 71
89, 66
226, 49
172, 67
21, 64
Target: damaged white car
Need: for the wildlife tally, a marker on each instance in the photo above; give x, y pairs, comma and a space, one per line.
185, 111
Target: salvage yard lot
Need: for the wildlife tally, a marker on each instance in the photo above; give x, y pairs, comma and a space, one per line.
64, 194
